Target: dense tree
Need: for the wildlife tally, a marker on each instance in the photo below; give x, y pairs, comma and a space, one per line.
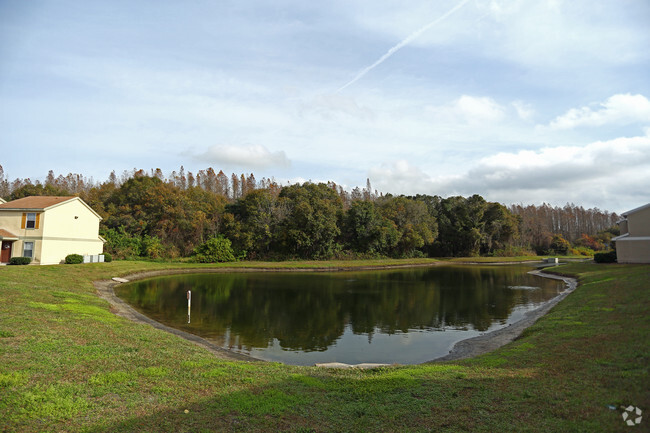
460, 225
146, 213
146, 206
4, 184
469, 226
38, 189
251, 223
539, 223
311, 227
366, 231
501, 228
416, 227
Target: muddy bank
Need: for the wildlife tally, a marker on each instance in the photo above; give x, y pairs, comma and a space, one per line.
493, 340
463, 349
121, 308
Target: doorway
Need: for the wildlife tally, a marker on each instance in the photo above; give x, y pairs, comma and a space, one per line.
5, 252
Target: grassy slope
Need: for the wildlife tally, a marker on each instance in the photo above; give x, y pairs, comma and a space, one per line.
68, 364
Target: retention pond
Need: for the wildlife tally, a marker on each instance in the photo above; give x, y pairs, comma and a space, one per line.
405, 316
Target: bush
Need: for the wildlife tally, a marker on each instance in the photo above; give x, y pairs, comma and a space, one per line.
559, 245
74, 259
606, 257
152, 247
512, 251
217, 249
107, 258
581, 251
20, 260
121, 244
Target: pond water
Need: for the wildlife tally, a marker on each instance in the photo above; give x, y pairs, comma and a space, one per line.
405, 316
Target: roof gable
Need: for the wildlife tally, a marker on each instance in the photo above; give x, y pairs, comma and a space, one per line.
42, 203
625, 214
35, 202
5, 235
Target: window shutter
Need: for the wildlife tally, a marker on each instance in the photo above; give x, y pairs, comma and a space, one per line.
22, 224
38, 217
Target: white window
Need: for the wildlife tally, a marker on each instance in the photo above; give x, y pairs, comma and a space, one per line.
31, 221
28, 249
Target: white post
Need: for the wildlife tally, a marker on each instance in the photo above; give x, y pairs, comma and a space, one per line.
189, 304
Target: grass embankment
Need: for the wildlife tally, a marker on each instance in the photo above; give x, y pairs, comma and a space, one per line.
69, 364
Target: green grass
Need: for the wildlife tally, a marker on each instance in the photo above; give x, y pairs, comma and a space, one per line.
68, 364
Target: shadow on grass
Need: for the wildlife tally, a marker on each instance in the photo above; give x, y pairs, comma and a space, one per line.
442, 397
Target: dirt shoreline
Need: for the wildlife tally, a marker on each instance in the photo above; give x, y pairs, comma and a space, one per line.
463, 349
490, 341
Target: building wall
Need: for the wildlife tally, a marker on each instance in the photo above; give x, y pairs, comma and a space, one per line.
638, 223
71, 220
70, 228
58, 234
54, 251
12, 222
633, 250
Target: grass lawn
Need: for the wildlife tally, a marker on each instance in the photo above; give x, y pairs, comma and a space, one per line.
68, 364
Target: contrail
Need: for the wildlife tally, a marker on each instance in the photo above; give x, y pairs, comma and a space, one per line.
399, 46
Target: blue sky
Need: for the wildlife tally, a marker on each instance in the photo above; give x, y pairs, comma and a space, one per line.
519, 101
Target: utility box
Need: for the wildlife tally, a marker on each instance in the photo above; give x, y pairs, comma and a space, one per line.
94, 258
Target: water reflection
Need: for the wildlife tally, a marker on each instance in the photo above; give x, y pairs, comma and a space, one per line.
314, 312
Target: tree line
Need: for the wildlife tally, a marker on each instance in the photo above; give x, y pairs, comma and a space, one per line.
148, 214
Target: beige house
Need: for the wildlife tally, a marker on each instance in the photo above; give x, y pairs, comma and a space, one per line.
47, 229
633, 245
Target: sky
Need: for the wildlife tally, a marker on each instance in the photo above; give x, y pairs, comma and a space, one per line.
529, 102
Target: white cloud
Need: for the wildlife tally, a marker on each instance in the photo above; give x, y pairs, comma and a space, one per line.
622, 109
544, 33
611, 174
564, 34
524, 111
398, 177
478, 109
250, 156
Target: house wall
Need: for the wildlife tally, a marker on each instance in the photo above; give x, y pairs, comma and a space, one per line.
633, 250
55, 251
70, 228
633, 246
12, 222
638, 223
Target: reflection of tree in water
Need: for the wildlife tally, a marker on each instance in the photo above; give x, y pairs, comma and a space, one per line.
310, 312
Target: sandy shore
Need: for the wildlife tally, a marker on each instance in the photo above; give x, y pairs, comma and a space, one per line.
463, 349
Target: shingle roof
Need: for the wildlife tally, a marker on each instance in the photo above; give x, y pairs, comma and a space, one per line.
34, 202
5, 234
625, 214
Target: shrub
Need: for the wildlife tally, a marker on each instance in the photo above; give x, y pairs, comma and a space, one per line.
217, 249
513, 251
20, 260
606, 257
581, 251
107, 258
74, 259
121, 244
559, 245
152, 247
